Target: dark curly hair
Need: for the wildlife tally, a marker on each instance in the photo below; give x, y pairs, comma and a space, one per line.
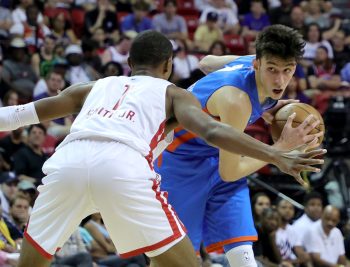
280, 41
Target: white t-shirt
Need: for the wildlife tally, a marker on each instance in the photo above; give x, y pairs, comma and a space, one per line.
329, 247
184, 66
301, 226
311, 48
19, 16
285, 240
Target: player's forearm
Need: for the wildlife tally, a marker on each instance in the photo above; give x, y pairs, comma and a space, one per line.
212, 63
233, 141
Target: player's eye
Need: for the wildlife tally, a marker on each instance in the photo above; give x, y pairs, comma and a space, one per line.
271, 69
287, 71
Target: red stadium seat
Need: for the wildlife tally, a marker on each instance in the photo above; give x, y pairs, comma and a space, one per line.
192, 22
78, 19
235, 43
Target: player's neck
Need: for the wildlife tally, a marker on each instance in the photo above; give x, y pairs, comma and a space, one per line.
145, 72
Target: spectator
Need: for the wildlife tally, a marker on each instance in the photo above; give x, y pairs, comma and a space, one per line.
91, 57
8, 183
28, 189
281, 14
100, 37
43, 60
169, 23
340, 50
31, 31
260, 202
29, 160
286, 236
228, 19
313, 204
256, 20
11, 144
19, 14
17, 74
293, 92
208, 33
62, 31
120, 52
325, 242
323, 74
138, 21
313, 41
19, 216
218, 48
297, 18
5, 22
78, 70
104, 15
184, 63
265, 249
112, 68
314, 15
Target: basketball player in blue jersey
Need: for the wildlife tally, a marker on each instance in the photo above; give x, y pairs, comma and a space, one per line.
204, 183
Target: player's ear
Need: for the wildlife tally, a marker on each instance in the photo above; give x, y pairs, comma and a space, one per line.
168, 65
255, 64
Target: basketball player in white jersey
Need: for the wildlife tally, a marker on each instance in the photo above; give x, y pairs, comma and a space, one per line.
105, 163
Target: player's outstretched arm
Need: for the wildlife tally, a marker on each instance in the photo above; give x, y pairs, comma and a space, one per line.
66, 103
186, 109
212, 63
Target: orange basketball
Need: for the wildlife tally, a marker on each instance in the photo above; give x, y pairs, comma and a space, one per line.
302, 112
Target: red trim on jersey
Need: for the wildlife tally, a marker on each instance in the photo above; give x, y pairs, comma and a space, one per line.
219, 245
158, 136
172, 218
37, 246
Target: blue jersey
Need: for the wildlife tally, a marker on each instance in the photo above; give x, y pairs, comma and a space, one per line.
239, 74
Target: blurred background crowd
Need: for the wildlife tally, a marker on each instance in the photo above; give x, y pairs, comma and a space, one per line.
46, 46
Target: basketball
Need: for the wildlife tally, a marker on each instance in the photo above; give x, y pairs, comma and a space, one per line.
302, 112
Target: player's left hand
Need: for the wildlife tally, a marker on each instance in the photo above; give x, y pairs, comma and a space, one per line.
269, 115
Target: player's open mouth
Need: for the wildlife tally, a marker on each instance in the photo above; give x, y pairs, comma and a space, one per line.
277, 91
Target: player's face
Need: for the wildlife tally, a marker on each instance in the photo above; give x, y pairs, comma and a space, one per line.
273, 75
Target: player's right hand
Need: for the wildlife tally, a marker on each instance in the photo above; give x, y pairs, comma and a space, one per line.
294, 162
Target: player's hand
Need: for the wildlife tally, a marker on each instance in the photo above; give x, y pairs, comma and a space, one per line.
293, 138
269, 115
294, 162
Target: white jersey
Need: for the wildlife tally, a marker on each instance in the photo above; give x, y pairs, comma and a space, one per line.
130, 110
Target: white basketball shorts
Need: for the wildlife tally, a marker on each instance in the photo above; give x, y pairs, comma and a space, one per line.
84, 177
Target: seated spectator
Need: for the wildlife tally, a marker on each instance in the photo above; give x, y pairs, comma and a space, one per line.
104, 15
260, 202
325, 242
217, 48
120, 52
314, 15
281, 14
19, 216
78, 70
10, 99
5, 22
313, 205
228, 19
112, 68
208, 33
297, 17
28, 189
293, 92
16, 73
256, 20
100, 37
73, 253
62, 31
31, 31
91, 57
265, 249
28, 161
19, 13
323, 74
8, 186
184, 63
138, 21
314, 40
11, 143
169, 23
341, 51
286, 236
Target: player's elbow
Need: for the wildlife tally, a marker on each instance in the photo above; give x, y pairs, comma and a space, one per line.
204, 64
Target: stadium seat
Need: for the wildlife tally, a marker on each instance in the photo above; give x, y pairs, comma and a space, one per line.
78, 19
235, 43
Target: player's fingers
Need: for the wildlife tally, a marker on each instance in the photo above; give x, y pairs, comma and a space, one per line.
300, 180
307, 121
314, 153
307, 168
290, 120
312, 126
313, 143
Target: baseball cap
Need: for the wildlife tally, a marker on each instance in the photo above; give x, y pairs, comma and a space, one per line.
8, 177
26, 185
212, 16
73, 49
17, 43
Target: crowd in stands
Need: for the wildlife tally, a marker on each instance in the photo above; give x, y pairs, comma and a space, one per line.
45, 46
